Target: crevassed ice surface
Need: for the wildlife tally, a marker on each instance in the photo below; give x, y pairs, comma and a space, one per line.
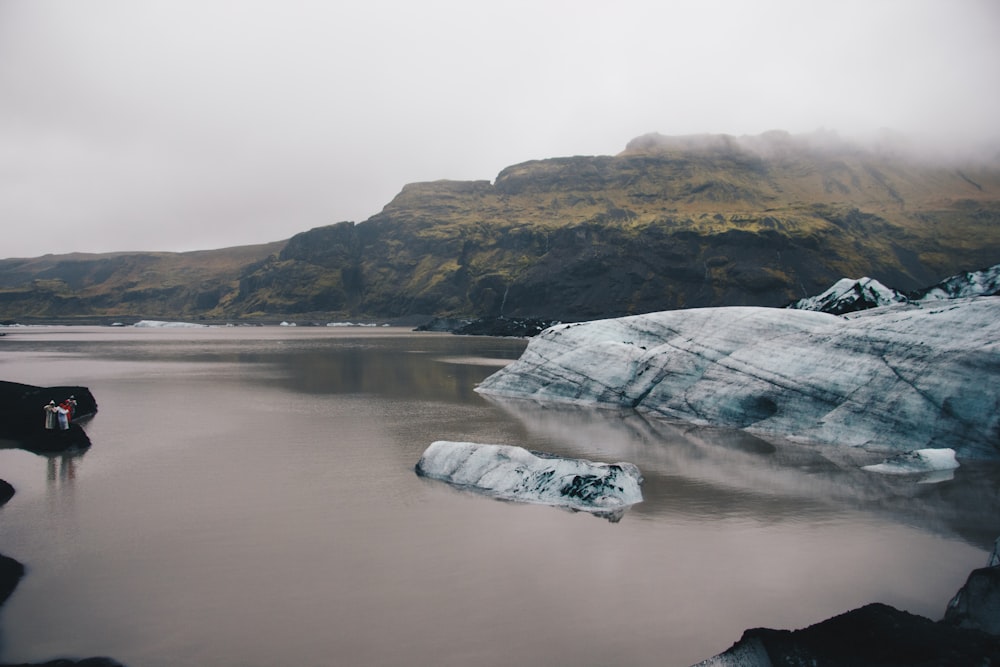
899, 377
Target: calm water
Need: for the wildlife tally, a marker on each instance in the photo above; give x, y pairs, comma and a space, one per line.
249, 500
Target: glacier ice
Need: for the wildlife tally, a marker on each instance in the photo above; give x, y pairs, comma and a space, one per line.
899, 377
849, 296
160, 324
514, 473
846, 296
918, 461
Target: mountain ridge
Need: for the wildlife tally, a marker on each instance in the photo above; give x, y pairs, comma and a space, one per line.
670, 222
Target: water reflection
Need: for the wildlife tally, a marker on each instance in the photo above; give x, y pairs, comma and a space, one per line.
704, 473
60, 470
387, 371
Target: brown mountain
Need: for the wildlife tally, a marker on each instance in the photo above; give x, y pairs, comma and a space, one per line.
670, 222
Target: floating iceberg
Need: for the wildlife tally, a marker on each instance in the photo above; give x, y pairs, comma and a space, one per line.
151, 324
513, 473
900, 377
938, 462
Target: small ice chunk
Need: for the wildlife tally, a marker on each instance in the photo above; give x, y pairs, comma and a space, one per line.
917, 461
514, 473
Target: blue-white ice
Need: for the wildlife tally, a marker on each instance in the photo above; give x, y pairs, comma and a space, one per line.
899, 378
514, 473
847, 295
921, 461
159, 324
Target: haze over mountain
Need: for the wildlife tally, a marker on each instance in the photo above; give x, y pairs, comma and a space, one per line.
670, 222
173, 125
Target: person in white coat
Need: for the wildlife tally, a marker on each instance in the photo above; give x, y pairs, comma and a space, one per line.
51, 416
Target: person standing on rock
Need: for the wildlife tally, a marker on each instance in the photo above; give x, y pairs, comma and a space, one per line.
51, 416
63, 414
69, 405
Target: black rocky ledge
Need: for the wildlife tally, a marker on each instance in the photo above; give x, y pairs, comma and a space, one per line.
22, 417
878, 635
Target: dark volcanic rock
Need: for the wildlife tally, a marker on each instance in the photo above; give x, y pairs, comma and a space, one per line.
11, 572
22, 416
65, 662
977, 604
6, 491
875, 635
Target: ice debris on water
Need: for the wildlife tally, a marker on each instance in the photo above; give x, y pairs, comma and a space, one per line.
920, 461
513, 473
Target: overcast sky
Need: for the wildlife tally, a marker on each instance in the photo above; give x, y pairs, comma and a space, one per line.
192, 124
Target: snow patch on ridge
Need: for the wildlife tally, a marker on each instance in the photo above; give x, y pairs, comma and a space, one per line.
848, 296
514, 473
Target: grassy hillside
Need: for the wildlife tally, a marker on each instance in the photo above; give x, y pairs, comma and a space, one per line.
667, 223
113, 285
670, 222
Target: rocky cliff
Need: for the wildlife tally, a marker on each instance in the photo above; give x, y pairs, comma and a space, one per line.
668, 223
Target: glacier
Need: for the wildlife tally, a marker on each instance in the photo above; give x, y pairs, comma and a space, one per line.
933, 465
895, 378
513, 473
160, 324
846, 296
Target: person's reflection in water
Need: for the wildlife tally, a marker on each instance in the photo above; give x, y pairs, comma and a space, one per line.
61, 470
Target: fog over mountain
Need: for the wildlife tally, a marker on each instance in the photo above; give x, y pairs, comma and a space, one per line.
179, 125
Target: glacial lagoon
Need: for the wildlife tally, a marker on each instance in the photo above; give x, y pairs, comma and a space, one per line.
250, 500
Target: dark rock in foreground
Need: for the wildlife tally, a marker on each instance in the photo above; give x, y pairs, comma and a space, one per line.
977, 605
11, 572
878, 635
22, 416
65, 662
875, 635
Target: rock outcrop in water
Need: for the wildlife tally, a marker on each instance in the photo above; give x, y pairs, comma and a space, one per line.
22, 416
875, 635
896, 378
976, 606
513, 473
878, 635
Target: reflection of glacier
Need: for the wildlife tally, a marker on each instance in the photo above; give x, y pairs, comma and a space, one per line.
702, 473
514, 473
894, 378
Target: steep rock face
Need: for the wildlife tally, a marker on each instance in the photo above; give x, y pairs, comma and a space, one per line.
669, 223
897, 378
